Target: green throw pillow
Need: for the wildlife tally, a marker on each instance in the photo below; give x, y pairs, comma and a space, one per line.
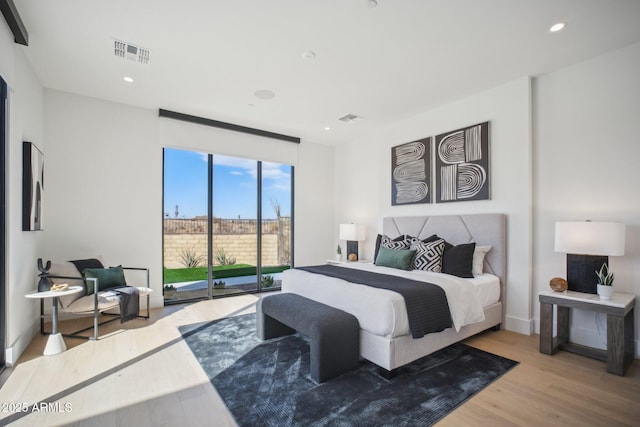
395, 258
107, 278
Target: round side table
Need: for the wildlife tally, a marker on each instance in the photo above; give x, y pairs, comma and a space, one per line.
55, 343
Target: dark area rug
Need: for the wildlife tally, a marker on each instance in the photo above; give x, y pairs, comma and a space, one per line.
268, 383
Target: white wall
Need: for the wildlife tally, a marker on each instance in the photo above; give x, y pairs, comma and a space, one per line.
25, 124
587, 146
314, 214
104, 184
7, 51
363, 180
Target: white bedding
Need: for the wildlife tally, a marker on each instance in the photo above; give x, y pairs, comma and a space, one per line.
383, 312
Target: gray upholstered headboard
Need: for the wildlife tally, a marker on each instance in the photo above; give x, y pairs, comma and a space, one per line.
484, 229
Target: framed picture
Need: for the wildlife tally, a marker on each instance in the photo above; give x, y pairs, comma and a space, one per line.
32, 187
462, 164
411, 173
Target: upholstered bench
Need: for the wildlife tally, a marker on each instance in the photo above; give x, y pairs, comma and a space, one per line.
333, 334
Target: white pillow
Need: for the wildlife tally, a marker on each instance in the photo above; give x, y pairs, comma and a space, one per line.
478, 259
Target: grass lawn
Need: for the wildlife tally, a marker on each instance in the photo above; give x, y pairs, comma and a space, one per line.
177, 275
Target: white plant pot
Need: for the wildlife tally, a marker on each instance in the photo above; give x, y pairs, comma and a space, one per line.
338, 257
605, 292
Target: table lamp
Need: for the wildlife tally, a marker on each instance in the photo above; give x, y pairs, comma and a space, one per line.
588, 245
352, 233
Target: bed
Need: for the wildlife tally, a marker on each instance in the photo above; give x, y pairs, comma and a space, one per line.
384, 335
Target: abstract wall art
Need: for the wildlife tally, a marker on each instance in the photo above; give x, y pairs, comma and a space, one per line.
411, 173
462, 164
32, 187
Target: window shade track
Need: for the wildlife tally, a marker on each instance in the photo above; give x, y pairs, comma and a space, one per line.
225, 125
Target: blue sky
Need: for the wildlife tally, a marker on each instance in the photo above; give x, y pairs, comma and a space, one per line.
234, 182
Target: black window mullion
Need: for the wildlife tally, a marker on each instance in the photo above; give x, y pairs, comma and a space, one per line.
210, 226
259, 229
291, 221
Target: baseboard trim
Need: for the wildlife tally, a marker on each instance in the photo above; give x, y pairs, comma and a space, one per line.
521, 326
15, 350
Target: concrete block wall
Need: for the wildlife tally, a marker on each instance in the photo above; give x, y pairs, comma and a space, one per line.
242, 247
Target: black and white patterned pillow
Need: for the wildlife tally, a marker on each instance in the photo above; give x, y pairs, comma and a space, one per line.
402, 237
390, 243
415, 240
428, 255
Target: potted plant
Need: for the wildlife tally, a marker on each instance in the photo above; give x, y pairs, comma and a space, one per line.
169, 291
339, 253
267, 281
605, 282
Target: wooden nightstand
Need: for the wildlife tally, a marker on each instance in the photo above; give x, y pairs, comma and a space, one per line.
620, 335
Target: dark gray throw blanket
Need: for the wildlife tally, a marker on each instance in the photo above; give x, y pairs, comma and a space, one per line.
427, 306
82, 264
129, 297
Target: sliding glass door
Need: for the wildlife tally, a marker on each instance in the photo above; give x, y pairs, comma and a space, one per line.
276, 214
231, 231
185, 228
235, 205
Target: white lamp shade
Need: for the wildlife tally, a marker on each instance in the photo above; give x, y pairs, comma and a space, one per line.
590, 238
353, 232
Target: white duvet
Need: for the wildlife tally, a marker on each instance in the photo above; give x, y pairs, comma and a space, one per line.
383, 312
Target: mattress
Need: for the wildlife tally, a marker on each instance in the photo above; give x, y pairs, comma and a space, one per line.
383, 312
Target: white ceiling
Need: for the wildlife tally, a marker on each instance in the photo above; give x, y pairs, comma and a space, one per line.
208, 57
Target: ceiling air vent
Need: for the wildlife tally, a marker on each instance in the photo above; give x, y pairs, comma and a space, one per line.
350, 118
131, 52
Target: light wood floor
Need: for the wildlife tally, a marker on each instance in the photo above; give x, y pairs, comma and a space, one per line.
143, 374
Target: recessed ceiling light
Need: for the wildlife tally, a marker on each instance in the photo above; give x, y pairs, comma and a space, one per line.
264, 94
327, 128
372, 3
557, 27
128, 79
309, 55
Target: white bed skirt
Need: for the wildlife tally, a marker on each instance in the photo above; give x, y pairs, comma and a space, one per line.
393, 353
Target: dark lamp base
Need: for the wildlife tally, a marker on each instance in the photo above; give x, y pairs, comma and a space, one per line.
352, 249
581, 272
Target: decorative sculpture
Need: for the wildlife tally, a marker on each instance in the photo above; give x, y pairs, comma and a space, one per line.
558, 284
44, 284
